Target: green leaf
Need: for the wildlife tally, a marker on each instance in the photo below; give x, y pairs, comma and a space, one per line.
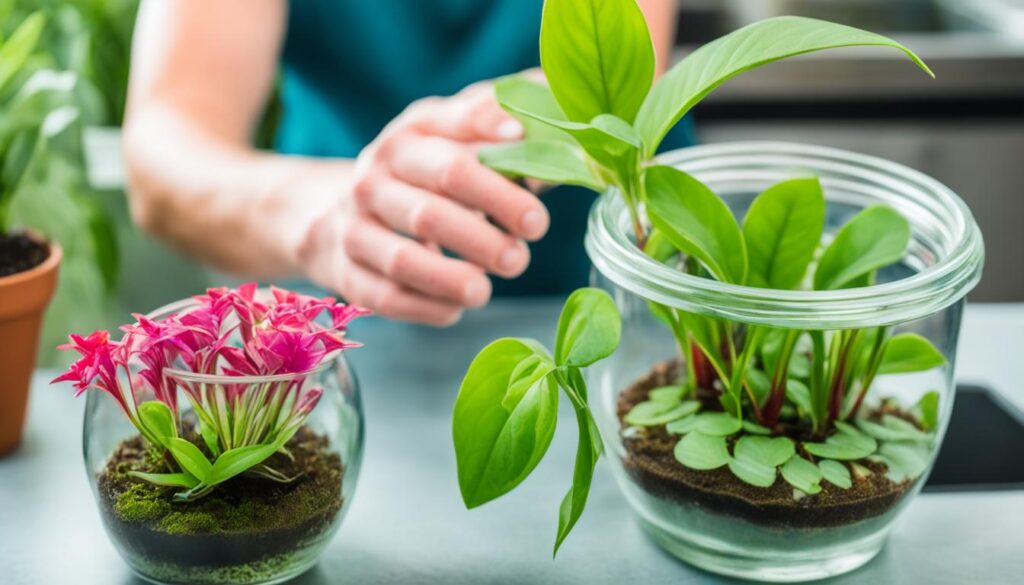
697, 222
588, 451
928, 407
652, 413
904, 460
699, 451
799, 394
588, 328
835, 473
179, 480
803, 475
234, 461
210, 437
753, 472
553, 162
909, 352
530, 102
759, 383
771, 452
848, 444
158, 419
893, 429
609, 140
782, 230
683, 425
14, 51
499, 441
190, 458
688, 82
597, 57
720, 424
874, 238
672, 394
755, 429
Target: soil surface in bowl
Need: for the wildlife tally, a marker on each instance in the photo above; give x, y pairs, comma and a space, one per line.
20, 252
243, 520
651, 463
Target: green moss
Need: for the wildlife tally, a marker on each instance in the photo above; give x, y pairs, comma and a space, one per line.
141, 503
243, 505
270, 569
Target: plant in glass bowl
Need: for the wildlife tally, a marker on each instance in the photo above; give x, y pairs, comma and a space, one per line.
247, 478
789, 313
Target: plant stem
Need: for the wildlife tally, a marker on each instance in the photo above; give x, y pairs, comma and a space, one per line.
777, 394
838, 388
874, 362
818, 358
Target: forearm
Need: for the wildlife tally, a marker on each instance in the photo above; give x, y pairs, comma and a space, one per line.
241, 210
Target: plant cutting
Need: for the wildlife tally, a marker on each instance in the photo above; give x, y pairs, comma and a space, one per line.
798, 318
507, 408
233, 483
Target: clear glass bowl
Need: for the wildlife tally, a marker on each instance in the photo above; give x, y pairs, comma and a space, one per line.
272, 549
924, 294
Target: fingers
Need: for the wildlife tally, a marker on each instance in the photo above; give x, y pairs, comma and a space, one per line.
471, 116
411, 265
366, 288
445, 167
429, 217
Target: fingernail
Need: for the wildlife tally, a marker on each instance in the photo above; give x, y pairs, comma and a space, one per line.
534, 223
511, 261
510, 129
476, 292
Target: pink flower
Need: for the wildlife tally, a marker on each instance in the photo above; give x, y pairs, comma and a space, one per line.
97, 367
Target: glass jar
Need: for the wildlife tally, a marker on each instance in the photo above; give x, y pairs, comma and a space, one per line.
924, 294
265, 532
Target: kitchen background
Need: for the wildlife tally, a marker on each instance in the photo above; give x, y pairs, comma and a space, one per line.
966, 128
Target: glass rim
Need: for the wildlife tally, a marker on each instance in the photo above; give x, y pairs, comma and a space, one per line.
933, 288
183, 304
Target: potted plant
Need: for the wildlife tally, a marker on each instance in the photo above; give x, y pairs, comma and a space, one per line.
28, 261
790, 313
247, 478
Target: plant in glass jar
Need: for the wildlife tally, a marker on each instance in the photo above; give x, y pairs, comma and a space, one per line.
763, 448
235, 483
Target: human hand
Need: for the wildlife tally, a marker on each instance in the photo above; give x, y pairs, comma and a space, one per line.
416, 189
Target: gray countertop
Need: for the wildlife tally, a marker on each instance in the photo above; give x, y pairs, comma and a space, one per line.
407, 523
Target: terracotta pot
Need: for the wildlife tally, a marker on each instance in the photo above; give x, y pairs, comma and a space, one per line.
23, 298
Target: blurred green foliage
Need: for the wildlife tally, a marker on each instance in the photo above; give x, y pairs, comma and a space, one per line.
63, 68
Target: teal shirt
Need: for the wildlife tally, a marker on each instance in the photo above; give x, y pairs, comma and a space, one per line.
350, 66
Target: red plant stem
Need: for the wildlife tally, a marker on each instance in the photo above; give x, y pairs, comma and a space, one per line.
838, 390
869, 378
702, 368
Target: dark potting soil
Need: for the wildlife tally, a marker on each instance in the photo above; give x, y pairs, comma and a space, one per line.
651, 463
244, 520
19, 252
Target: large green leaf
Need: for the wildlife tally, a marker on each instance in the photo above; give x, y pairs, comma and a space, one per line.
597, 56
782, 229
504, 418
687, 83
909, 352
234, 461
588, 451
550, 161
190, 458
588, 328
697, 222
874, 238
533, 105
14, 51
158, 419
